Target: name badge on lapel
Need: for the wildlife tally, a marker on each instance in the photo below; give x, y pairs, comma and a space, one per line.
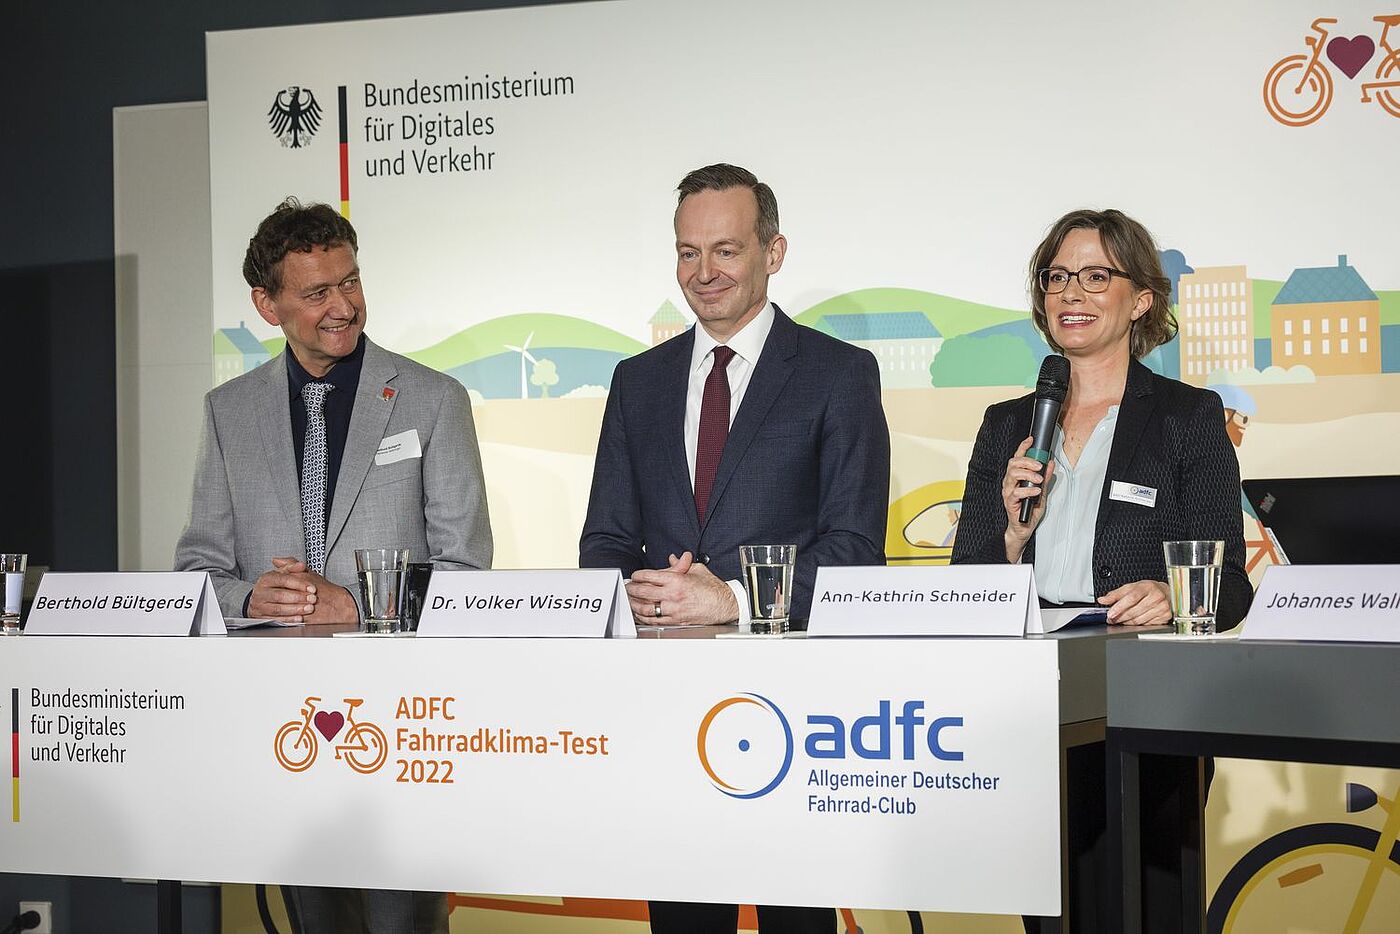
399, 447
1132, 493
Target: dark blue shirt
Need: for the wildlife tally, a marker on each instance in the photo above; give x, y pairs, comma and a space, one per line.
340, 402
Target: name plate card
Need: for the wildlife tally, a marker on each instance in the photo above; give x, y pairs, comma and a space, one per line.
1326, 603
587, 603
155, 603
956, 600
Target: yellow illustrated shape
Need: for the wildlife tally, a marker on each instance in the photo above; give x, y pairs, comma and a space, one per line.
923, 524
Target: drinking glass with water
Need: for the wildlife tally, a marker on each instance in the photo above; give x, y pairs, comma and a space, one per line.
768, 581
12, 566
1193, 571
382, 573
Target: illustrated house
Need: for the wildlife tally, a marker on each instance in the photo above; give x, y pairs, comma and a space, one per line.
904, 343
1215, 317
1328, 319
666, 323
236, 351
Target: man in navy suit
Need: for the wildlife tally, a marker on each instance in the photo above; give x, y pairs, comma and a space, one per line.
748, 429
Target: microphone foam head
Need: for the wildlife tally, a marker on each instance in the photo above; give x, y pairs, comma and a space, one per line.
1054, 378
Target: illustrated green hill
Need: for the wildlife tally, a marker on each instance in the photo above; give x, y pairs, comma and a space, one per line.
491, 337
1265, 291
952, 316
1390, 307
275, 345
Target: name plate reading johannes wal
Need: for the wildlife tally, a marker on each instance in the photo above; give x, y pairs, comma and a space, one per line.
1327, 603
584, 603
957, 600
154, 603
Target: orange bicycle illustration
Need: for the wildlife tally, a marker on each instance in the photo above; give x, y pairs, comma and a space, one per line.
364, 748
1298, 89
1315, 873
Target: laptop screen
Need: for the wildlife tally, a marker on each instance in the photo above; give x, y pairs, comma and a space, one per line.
1331, 520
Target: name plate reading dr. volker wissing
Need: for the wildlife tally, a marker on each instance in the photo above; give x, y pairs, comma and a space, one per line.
583, 603
1326, 603
960, 600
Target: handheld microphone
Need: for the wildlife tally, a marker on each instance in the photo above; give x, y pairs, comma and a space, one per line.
1050, 391
22, 922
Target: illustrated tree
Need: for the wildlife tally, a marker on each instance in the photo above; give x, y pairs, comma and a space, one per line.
993, 360
544, 375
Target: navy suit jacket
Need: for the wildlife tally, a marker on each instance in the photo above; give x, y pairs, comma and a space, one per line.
807, 462
1170, 437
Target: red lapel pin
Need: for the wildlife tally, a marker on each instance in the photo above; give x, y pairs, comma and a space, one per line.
388, 394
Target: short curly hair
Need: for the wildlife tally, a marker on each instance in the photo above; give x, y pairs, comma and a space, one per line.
292, 227
1131, 248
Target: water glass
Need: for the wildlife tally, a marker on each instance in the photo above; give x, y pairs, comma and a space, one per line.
13, 567
1193, 571
767, 573
381, 572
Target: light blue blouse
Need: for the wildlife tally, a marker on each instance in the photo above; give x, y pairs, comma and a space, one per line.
1064, 540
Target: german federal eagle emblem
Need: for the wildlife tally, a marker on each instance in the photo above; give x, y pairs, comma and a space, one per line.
294, 116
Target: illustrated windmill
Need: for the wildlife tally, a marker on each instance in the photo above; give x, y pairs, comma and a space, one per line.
524, 351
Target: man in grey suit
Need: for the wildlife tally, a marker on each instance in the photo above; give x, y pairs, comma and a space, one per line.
335, 445
746, 429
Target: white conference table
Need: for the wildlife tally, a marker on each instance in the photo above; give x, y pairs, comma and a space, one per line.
572, 820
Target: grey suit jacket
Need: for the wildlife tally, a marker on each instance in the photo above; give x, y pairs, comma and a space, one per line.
246, 507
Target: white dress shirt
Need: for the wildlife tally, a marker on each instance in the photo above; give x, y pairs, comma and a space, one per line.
747, 345
1064, 541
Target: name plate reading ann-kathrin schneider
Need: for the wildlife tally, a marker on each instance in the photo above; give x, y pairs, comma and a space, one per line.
587, 603
958, 600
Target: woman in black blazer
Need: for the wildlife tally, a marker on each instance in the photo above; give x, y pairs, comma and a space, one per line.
1143, 460
1168, 470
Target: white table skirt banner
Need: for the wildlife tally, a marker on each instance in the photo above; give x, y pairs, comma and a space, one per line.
907, 774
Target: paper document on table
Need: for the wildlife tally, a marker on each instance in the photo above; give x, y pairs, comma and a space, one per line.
1053, 619
243, 622
641, 627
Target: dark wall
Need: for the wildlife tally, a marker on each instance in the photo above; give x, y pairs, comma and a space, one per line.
64, 66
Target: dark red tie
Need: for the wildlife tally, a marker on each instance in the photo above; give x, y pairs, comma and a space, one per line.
714, 429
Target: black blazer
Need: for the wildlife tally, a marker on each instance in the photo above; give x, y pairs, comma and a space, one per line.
1170, 437
807, 462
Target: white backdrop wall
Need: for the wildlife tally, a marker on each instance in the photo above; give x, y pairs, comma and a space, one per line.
918, 152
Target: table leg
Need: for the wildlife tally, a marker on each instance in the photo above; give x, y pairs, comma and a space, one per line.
1124, 837
168, 907
1185, 802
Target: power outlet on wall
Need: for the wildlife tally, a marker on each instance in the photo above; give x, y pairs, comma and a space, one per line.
45, 910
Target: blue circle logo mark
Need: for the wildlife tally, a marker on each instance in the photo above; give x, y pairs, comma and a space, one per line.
745, 745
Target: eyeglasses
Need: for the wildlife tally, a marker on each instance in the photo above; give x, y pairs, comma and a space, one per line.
1091, 278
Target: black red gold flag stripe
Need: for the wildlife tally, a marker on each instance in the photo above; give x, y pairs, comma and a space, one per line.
14, 753
344, 156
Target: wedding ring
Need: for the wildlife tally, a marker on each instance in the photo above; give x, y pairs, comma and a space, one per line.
656, 607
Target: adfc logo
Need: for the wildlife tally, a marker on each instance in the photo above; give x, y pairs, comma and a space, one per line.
294, 116
1298, 89
745, 745
362, 745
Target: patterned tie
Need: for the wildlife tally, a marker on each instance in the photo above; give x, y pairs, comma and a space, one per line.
314, 459
714, 429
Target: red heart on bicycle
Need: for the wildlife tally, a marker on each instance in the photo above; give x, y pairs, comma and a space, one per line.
1350, 55
329, 724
